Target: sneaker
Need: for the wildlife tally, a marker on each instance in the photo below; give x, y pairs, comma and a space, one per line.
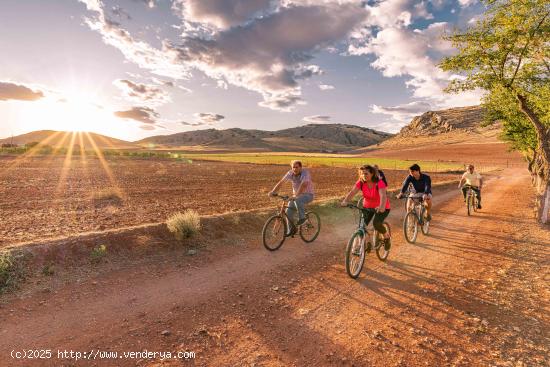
387, 244
292, 232
479, 206
369, 247
301, 221
429, 217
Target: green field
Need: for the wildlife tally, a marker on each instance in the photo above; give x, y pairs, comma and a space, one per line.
314, 160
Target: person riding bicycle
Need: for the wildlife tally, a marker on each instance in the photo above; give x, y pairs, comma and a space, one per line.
422, 184
374, 197
381, 174
473, 180
302, 189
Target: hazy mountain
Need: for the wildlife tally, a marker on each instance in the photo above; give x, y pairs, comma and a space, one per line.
63, 140
313, 137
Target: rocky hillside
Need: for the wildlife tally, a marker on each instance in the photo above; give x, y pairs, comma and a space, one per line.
462, 125
440, 122
313, 137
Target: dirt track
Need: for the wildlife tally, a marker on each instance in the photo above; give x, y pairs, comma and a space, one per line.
448, 300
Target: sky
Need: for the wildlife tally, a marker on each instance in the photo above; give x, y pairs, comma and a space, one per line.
135, 68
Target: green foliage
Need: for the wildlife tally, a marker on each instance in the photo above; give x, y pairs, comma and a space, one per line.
98, 253
507, 54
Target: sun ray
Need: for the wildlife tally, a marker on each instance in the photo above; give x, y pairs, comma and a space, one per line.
66, 166
105, 165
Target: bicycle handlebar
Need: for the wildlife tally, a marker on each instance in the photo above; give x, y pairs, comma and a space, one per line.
282, 197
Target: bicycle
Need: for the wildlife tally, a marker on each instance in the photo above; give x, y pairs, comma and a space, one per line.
356, 249
472, 200
279, 227
414, 218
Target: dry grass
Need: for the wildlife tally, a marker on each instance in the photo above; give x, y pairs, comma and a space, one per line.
109, 195
184, 225
10, 272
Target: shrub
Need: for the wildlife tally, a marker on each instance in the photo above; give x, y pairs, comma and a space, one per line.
98, 253
184, 225
10, 272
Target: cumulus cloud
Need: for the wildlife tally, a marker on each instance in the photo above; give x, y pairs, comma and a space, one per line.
208, 118
317, 119
142, 93
413, 53
221, 13
270, 54
403, 112
326, 87
158, 61
144, 115
18, 92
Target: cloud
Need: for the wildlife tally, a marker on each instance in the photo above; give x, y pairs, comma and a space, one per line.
326, 87
269, 55
221, 14
18, 92
466, 3
317, 119
403, 112
142, 93
400, 51
150, 3
207, 118
120, 13
191, 123
145, 115
158, 61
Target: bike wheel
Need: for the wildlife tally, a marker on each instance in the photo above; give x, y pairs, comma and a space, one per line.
273, 233
309, 231
470, 204
410, 227
355, 254
475, 203
381, 251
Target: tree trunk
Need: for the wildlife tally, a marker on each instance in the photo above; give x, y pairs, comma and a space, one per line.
540, 166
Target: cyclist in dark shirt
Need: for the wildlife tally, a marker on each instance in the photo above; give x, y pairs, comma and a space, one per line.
422, 184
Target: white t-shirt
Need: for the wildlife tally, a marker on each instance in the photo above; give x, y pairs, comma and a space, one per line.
472, 179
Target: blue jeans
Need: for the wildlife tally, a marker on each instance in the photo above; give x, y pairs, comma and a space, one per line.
298, 205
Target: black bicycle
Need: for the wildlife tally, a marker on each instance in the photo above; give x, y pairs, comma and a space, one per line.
357, 249
472, 201
415, 217
279, 226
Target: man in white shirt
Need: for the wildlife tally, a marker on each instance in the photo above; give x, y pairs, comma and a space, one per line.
474, 180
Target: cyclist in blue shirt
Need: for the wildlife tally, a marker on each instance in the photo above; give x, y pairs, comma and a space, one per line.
422, 184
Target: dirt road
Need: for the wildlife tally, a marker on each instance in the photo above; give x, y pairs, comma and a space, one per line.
475, 292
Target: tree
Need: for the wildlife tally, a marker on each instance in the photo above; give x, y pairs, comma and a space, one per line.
507, 54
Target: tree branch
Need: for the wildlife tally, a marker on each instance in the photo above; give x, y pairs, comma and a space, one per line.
531, 35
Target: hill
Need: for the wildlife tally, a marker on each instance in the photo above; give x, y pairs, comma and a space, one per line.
60, 139
308, 138
455, 134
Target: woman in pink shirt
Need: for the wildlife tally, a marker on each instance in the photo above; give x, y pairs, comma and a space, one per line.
374, 197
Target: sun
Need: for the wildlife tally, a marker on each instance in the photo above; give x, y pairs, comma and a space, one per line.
78, 112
